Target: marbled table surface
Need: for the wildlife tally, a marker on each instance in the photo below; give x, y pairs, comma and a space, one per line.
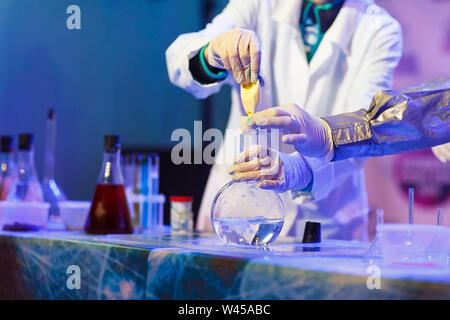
40, 265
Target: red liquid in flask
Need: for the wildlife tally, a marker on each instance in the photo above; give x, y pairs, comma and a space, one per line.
109, 211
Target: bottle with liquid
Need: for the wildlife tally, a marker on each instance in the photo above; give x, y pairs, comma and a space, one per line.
7, 166
109, 211
27, 186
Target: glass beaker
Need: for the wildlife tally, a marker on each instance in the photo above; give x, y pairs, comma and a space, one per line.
109, 211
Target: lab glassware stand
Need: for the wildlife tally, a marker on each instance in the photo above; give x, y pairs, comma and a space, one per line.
146, 204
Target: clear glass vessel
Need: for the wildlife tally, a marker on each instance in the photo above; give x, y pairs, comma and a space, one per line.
27, 186
52, 191
243, 214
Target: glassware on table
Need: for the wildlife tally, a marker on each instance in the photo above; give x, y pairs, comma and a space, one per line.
244, 214
151, 217
27, 186
52, 192
8, 172
109, 212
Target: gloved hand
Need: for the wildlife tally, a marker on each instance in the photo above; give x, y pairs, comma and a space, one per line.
236, 51
271, 169
442, 152
310, 135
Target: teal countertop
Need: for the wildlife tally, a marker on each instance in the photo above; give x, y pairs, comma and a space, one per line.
40, 265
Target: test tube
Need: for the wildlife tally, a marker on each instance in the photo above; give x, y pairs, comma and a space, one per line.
154, 173
440, 216
145, 188
157, 219
411, 205
137, 186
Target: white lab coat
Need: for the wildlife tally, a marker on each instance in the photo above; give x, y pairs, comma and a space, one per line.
355, 59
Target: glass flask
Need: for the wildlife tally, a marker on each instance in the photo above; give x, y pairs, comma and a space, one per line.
53, 193
27, 186
244, 214
7, 166
109, 212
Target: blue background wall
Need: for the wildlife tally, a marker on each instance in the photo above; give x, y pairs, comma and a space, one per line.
108, 77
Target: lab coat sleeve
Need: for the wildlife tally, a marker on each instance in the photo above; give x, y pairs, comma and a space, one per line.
237, 13
378, 61
375, 72
397, 121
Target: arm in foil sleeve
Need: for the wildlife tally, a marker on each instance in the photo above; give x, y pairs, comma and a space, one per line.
397, 121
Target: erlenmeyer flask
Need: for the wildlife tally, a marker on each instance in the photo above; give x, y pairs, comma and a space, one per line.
109, 211
27, 186
8, 172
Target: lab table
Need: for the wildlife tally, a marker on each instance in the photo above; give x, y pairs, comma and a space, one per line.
43, 264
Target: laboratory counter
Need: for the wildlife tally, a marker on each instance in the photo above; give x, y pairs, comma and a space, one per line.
74, 265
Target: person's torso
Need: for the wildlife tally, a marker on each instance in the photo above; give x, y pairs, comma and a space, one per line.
321, 88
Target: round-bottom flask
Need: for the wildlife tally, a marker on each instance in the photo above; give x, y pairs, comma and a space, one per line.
243, 214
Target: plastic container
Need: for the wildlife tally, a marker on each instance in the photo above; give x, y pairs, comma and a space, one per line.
74, 213
181, 216
23, 216
414, 244
243, 214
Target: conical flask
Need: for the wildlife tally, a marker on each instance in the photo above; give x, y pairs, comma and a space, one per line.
109, 211
27, 186
8, 172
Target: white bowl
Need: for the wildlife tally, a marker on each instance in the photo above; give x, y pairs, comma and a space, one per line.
23, 216
414, 244
74, 213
